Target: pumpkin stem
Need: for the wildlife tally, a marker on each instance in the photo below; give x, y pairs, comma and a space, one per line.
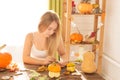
77, 29
1, 47
54, 63
85, 1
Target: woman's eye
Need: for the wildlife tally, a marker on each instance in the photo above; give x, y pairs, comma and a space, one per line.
49, 29
54, 30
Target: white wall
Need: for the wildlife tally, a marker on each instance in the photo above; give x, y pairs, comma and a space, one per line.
17, 18
111, 60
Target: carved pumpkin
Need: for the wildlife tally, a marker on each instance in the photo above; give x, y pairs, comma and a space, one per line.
5, 59
70, 67
88, 65
85, 8
76, 38
54, 67
54, 70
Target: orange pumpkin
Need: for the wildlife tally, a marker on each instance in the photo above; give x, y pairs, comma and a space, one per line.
54, 67
76, 38
85, 8
5, 59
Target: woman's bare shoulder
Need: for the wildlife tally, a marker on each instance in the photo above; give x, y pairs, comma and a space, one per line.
29, 36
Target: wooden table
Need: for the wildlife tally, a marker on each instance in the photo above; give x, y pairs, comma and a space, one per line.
24, 74
62, 77
93, 76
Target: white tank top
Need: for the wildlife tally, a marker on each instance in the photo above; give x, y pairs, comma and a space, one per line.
35, 53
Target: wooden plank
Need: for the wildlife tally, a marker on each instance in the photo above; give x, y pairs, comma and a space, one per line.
63, 21
101, 42
68, 26
95, 29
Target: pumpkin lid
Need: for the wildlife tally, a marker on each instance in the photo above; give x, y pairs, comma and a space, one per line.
70, 64
54, 67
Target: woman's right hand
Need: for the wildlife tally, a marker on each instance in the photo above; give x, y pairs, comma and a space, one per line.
49, 59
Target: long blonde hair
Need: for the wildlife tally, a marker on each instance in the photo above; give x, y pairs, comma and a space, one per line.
54, 40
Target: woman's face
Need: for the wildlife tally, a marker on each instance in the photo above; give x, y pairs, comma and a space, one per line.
51, 29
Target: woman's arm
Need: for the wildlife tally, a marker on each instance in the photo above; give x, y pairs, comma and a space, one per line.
61, 50
27, 50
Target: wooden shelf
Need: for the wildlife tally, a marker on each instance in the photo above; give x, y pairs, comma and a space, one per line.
66, 22
87, 14
85, 43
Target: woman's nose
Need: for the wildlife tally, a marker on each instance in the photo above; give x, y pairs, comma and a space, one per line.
51, 32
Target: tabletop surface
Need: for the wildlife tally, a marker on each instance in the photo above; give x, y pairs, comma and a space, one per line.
29, 71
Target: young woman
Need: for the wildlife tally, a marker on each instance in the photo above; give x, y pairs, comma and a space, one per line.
41, 46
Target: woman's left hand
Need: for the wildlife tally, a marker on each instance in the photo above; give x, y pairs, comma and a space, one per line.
63, 64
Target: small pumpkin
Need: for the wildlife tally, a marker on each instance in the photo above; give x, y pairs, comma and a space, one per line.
85, 8
5, 57
88, 65
54, 67
76, 38
70, 67
54, 70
